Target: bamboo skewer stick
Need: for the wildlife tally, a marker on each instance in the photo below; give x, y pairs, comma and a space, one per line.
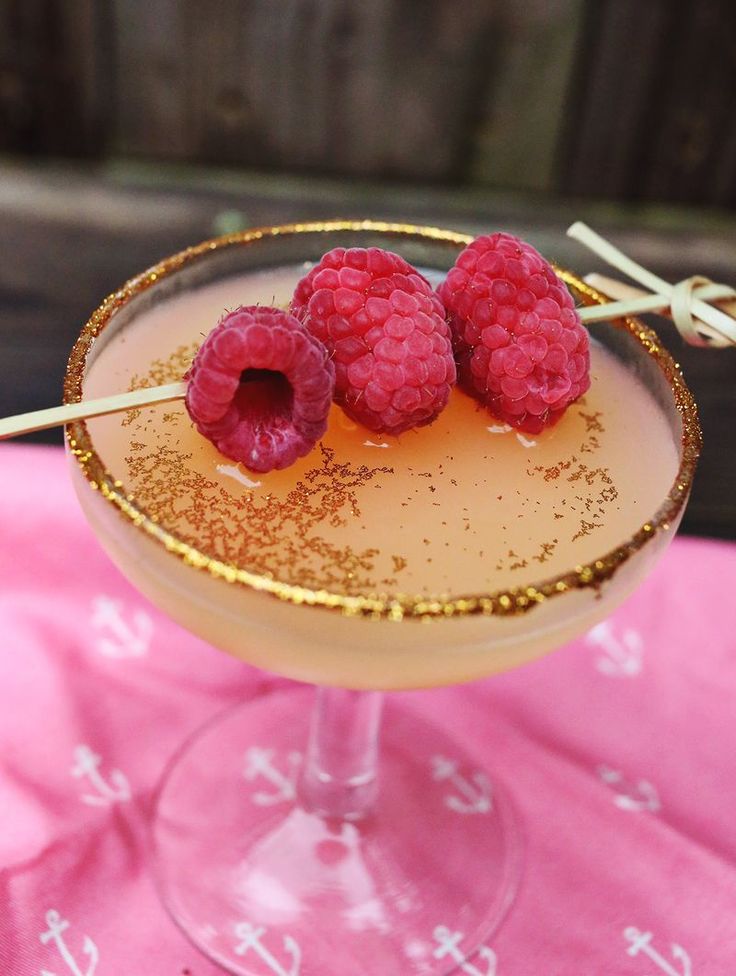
700, 323
636, 301
686, 303
615, 289
25, 423
620, 291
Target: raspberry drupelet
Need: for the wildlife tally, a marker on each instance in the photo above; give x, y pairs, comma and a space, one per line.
387, 334
519, 344
260, 388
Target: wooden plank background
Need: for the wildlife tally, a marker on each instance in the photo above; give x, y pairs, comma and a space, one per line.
612, 98
308, 84
651, 109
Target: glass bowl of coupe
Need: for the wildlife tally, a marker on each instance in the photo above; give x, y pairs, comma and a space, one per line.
373, 564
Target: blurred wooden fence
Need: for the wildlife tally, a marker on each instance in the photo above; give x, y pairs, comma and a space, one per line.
615, 98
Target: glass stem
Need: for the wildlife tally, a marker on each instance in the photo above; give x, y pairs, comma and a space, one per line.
339, 774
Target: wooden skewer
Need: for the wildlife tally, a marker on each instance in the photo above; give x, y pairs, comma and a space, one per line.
613, 288
629, 301
716, 325
700, 323
25, 423
634, 301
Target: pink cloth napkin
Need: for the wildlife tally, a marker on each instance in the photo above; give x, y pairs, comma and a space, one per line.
617, 751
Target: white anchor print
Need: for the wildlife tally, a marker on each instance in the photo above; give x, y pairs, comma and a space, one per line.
641, 795
55, 933
622, 656
449, 945
117, 638
642, 942
251, 939
87, 764
476, 794
259, 762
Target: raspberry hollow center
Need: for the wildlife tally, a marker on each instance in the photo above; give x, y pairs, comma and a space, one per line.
260, 388
264, 396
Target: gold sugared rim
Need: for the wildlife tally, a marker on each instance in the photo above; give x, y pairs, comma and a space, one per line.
513, 601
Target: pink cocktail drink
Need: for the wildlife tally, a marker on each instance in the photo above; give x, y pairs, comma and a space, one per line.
465, 506
374, 563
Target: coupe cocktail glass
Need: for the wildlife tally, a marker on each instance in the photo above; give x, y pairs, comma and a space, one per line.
281, 843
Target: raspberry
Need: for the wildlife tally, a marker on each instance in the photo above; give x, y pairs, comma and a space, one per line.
260, 388
519, 344
385, 330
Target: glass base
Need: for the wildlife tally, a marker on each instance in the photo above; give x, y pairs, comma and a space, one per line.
262, 886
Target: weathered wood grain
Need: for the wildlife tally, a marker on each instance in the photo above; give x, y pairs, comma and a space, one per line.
651, 115
152, 78
691, 151
531, 72
617, 98
55, 76
368, 89
616, 88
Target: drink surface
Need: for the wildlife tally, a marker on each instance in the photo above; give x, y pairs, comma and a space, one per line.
465, 506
